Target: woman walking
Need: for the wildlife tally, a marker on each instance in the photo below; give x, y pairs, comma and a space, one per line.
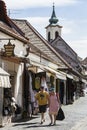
53, 105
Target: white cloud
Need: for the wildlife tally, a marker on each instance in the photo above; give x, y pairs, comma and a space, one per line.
38, 20
66, 30
17, 4
67, 26
80, 47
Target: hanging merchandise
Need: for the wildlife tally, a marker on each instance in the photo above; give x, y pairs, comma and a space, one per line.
37, 83
30, 83
52, 80
43, 83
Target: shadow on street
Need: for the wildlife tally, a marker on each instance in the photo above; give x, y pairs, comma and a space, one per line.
33, 125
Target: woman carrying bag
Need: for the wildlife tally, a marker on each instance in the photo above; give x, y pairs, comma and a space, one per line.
54, 105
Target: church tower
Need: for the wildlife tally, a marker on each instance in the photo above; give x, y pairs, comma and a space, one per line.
53, 29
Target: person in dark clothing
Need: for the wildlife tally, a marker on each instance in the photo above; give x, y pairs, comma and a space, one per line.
61, 93
72, 92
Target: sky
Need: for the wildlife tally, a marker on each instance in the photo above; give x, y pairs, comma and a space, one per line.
72, 15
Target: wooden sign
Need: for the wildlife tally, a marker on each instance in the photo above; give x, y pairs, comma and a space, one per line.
9, 49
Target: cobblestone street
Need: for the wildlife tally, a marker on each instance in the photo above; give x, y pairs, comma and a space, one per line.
74, 114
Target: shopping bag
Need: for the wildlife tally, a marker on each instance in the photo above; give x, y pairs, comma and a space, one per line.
60, 115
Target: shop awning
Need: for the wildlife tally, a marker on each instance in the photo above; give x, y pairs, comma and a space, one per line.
58, 74
69, 76
75, 78
63, 77
84, 81
4, 79
3, 72
35, 64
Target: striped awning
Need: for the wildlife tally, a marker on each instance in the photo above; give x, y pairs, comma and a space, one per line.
4, 79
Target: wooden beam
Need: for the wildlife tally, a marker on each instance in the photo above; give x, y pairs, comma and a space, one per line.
12, 59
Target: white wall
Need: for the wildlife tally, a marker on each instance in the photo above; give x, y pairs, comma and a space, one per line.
52, 31
19, 83
20, 47
17, 69
12, 67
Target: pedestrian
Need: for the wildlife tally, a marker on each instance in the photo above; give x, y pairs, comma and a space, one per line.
54, 104
61, 92
42, 98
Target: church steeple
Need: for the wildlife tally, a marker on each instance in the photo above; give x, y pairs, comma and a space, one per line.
53, 30
53, 19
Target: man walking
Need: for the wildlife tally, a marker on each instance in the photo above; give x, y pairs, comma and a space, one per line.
42, 97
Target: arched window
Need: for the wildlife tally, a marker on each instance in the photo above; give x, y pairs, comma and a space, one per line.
56, 34
49, 36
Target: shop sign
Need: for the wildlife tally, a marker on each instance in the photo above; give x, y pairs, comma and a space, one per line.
9, 49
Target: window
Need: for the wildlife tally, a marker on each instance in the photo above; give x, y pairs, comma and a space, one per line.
56, 34
49, 36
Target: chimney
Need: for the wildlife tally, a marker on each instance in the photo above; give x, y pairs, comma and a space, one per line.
3, 13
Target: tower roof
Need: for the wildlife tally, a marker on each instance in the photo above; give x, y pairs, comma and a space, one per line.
53, 19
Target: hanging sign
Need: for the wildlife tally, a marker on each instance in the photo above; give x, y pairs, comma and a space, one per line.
9, 49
